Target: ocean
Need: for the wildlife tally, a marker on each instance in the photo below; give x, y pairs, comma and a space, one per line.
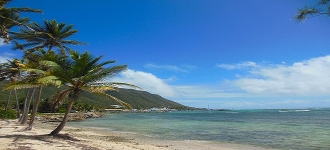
270, 128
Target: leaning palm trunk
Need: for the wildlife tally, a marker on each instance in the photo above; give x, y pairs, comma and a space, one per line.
35, 109
27, 108
17, 105
66, 115
8, 100
25, 105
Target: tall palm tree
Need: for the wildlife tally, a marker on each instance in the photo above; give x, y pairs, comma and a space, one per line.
10, 17
82, 72
50, 35
33, 71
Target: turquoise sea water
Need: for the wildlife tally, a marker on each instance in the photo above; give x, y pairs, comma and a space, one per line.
281, 129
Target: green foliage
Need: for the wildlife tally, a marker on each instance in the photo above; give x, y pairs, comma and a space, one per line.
45, 106
51, 34
62, 108
82, 107
10, 17
10, 114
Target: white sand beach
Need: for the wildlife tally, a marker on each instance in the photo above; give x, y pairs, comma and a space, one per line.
13, 137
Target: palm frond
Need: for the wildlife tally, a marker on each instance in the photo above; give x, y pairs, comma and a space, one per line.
98, 89
114, 84
34, 70
128, 106
19, 86
49, 63
50, 80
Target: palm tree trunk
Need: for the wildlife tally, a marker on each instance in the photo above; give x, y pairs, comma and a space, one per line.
26, 110
17, 105
65, 118
35, 109
8, 100
25, 103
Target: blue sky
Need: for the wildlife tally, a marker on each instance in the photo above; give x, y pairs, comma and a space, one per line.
226, 54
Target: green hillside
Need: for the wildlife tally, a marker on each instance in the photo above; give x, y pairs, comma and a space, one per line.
138, 99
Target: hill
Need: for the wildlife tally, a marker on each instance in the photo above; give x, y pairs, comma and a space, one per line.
138, 99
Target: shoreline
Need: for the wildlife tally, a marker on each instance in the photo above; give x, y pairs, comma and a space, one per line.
77, 138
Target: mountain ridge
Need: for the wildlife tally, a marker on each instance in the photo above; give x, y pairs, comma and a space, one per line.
136, 98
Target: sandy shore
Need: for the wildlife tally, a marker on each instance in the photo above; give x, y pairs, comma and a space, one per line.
13, 137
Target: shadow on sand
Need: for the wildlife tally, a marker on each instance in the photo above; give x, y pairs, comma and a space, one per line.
21, 141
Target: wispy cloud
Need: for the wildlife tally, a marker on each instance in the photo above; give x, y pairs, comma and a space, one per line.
242, 65
208, 91
309, 77
182, 68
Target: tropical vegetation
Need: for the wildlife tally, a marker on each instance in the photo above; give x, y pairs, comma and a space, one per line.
10, 17
48, 61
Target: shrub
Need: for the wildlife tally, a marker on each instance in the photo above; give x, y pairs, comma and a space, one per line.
10, 114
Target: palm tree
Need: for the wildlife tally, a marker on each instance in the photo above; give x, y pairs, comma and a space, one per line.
52, 34
33, 72
82, 72
10, 17
17, 75
11, 70
39, 72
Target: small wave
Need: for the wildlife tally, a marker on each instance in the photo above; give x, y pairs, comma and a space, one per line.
302, 110
283, 111
231, 112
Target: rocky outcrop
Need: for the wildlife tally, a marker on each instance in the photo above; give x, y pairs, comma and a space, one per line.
72, 117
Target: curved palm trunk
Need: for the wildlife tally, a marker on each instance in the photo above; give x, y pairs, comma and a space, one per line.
35, 109
17, 105
66, 115
8, 100
26, 110
65, 119
25, 103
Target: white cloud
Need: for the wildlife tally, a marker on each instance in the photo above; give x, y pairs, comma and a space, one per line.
264, 86
242, 65
183, 68
309, 77
147, 81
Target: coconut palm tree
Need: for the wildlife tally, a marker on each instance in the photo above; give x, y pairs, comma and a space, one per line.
50, 35
40, 71
33, 71
10, 17
12, 71
82, 72
18, 77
